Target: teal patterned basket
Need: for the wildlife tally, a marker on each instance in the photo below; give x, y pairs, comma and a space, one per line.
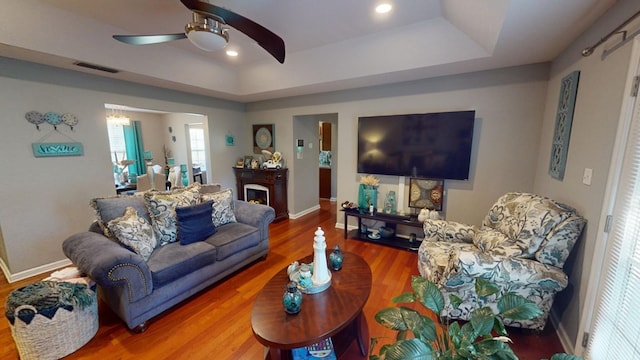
50, 320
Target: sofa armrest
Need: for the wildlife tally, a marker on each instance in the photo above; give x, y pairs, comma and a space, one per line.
449, 231
256, 215
109, 264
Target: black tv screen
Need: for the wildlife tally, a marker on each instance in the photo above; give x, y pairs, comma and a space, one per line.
432, 145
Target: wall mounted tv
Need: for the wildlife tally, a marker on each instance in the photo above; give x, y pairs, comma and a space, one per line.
432, 145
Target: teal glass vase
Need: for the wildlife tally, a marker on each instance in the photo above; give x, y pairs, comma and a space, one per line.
292, 298
335, 258
367, 196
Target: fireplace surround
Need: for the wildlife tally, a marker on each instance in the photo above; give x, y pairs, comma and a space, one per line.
266, 186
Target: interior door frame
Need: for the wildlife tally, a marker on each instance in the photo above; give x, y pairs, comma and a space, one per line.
613, 180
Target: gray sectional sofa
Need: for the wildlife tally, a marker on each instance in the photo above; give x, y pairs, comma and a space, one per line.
137, 289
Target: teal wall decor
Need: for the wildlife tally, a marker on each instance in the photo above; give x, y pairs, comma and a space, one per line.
229, 140
57, 149
564, 120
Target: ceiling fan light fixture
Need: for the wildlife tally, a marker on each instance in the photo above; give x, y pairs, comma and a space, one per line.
207, 34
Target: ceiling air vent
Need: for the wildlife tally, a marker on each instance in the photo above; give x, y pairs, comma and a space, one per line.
96, 67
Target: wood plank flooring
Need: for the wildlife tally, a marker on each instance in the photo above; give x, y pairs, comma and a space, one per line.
215, 324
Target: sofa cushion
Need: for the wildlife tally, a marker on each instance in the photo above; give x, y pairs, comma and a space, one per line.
162, 209
222, 207
195, 223
109, 208
134, 232
173, 261
232, 238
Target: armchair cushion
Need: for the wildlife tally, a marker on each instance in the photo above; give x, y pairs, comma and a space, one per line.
526, 218
441, 230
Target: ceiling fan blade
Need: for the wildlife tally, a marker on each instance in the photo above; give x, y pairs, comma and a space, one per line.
148, 39
269, 41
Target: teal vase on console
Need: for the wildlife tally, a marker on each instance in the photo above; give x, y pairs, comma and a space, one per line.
183, 171
292, 298
367, 196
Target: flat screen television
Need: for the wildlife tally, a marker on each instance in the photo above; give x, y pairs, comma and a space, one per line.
431, 145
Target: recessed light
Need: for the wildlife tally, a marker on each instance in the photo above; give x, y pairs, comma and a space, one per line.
383, 8
232, 53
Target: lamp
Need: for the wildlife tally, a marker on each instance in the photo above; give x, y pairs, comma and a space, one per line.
118, 119
206, 33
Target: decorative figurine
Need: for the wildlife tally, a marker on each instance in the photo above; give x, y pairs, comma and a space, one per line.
320, 269
335, 258
423, 215
292, 298
305, 276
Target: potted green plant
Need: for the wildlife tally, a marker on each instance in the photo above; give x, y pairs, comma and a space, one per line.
483, 337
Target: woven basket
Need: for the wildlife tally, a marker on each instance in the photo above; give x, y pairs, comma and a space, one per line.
54, 338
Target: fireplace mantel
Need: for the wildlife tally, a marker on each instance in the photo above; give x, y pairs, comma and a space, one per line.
273, 179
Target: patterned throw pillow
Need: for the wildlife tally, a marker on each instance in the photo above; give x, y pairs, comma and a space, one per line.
162, 208
109, 208
134, 232
222, 206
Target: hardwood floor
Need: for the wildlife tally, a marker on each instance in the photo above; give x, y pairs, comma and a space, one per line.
215, 324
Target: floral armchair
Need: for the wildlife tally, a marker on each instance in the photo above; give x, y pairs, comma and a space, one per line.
521, 247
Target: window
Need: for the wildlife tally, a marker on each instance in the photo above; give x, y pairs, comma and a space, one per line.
196, 136
117, 144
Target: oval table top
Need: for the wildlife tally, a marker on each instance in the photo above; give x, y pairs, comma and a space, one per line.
322, 315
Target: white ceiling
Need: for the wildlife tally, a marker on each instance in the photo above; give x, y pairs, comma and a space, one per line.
330, 44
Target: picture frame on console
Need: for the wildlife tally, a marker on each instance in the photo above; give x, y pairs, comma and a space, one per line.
425, 193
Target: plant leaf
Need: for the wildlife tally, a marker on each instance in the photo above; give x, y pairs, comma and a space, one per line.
428, 293
495, 349
498, 327
563, 356
516, 307
391, 318
455, 300
422, 326
413, 349
407, 297
482, 320
485, 288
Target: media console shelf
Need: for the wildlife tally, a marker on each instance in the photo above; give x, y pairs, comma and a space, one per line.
391, 221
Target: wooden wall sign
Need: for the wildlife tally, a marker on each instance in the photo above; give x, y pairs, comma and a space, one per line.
564, 120
57, 149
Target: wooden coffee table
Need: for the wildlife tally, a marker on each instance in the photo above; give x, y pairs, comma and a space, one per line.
335, 312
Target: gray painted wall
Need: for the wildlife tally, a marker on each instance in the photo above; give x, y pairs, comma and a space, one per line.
509, 105
595, 122
44, 200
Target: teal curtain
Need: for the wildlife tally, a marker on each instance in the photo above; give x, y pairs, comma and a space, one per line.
135, 147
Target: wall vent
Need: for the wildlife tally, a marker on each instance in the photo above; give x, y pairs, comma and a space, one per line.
96, 67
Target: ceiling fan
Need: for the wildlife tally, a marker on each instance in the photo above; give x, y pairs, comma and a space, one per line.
206, 31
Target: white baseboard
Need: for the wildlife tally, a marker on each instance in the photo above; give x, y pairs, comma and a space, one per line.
333, 199
32, 272
562, 334
304, 212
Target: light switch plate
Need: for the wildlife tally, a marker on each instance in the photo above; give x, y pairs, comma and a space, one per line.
586, 176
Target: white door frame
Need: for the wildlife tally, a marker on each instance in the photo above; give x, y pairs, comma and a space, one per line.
613, 179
